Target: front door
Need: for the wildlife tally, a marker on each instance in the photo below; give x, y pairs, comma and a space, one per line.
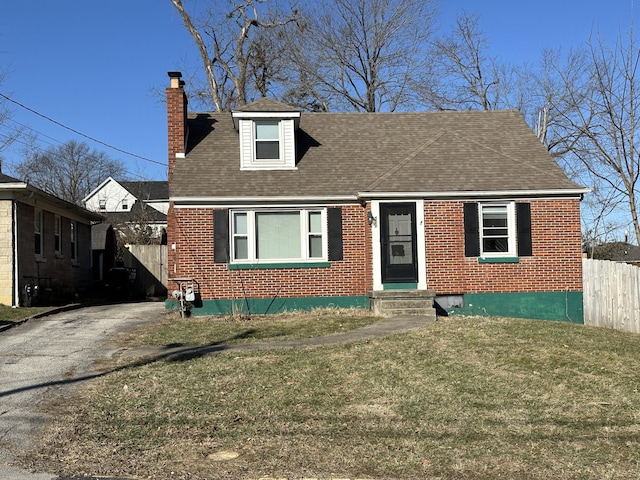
398, 243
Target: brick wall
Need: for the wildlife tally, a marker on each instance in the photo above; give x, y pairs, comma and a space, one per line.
556, 264
176, 124
192, 230
57, 271
6, 252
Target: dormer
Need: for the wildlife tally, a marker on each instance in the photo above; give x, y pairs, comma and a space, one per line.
266, 131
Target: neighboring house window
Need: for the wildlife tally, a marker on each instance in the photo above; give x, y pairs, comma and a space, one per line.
56, 234
497, 229
103, 204
38, 230
267, 140
272, 235
125, 204
74, 245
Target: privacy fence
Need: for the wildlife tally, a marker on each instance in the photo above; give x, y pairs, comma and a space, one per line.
150, 264
611, 293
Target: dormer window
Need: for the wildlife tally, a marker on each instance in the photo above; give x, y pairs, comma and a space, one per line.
267, 140
266, 132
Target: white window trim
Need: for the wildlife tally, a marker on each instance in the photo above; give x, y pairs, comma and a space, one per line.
258, 161
73, 240
511, 230
304, 233
38, 215
57, 234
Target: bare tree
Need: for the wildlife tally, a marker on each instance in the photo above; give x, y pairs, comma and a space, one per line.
69, 171
362, 54
232, 50
469, 79
606, 119
8, 135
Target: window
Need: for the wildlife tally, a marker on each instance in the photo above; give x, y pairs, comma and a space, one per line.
72, 237
278, 235
267, 140
497, 232
102, 204
38, 230
125, 204
56, 234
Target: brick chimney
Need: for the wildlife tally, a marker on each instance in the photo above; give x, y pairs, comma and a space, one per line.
176, 120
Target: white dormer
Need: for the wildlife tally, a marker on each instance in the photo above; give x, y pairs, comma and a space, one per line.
266, 131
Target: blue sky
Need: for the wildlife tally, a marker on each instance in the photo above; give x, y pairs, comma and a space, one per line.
92, 64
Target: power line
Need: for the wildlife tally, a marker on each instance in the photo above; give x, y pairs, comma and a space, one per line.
43, 151
80, 133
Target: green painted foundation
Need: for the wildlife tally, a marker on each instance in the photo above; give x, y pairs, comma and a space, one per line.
558, 306
261, 306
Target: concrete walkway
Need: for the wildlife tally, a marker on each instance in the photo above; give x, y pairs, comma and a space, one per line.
384, 327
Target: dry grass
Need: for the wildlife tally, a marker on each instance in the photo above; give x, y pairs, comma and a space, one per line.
11, 315
464, 398
232, 330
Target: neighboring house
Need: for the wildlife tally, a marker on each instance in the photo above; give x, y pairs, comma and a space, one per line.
45, 242
617, 252
128, 204
272, 209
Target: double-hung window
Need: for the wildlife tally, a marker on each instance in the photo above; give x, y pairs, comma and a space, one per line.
267, 138
74, 244
497, 230
38, 232
278, 235
56, 234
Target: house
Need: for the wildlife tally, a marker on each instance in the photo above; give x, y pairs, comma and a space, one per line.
274, 209
623, 252
129, 204
45, 245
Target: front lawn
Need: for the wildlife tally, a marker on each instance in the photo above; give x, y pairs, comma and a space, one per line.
462, 398
10, 315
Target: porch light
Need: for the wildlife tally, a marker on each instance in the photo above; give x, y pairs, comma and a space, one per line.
371, 219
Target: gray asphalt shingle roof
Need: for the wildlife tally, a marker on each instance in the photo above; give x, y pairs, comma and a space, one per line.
148, 190
342, 154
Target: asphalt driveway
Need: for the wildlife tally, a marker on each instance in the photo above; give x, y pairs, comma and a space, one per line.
47, 357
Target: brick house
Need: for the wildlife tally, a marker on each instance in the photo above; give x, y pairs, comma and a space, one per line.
272, 208
45, 242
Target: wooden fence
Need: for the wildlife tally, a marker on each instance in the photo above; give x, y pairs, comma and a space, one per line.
611, 293
150, 263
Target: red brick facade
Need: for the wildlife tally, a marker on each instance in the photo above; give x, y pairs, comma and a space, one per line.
556, 264
192, 231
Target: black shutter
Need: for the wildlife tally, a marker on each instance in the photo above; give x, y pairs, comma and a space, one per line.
334, 227
471, 232
221, 236
523, 221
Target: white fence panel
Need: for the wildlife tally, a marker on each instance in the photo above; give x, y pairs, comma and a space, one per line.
611, 293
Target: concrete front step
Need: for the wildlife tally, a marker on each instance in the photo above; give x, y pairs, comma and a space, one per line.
392, 303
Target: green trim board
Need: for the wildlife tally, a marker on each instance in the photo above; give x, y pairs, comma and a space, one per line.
400, 286
560, 306
264, 266
498, 260
261, 306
